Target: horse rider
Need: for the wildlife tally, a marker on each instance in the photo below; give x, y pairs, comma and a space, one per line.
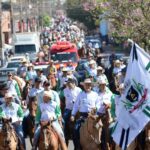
13, 87
10, 109
115, 104
36, 90
23, 68
3, 89
47, 111
104, 111
71, 93
41, 75
87, 100
55, 96
51, 68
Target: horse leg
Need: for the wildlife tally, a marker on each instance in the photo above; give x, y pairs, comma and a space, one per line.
31, 141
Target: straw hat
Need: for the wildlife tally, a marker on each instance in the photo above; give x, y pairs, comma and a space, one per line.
121, 86
117, 61
23, 60
47, 94
91, 62
65, 69
101, 68
87, 81
30, 65
8, 95
102, 81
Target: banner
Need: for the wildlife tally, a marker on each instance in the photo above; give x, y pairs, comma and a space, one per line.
135, 101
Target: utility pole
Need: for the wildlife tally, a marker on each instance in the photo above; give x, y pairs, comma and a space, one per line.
12, 18
21, 14
1, 37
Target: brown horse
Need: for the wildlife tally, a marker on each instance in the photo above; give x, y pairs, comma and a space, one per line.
147, 140
30, 120
90, 133
8, 138
48, 137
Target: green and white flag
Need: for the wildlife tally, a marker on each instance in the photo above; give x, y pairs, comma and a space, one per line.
135, 101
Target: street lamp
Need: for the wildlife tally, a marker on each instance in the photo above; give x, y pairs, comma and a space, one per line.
1, 39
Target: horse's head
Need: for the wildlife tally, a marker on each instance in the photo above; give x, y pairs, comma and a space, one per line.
6, 130
45, 126
32, 105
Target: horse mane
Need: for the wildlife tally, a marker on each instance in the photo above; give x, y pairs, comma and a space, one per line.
32, 98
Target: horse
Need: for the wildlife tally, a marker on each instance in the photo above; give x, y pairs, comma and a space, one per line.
48, 139
30, 120
8, 138
147, 136
90, 133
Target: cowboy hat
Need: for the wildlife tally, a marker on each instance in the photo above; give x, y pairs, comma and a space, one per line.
121, 87
47, 94
8, 95
101, 68
92, 62
30, 65
86, 81
117, 61
23, 60
102, 81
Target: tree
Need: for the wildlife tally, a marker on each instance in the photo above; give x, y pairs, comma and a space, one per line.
46, 20
75, 11
129, 19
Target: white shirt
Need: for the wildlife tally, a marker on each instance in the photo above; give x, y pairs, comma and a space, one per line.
11, 84
117, 70
55, 97
85, 102
117, 105
62, 81
92, 72
11, 111
48, 110
71, 96
36, 92
104, 97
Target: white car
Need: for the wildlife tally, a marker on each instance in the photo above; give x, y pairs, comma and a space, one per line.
13, 64
17, 58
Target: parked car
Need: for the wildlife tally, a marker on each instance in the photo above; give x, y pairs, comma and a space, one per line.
17, 58
13, 64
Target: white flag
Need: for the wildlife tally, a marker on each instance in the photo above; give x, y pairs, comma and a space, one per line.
135, 101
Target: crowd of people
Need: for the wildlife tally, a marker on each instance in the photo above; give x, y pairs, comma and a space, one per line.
60, 95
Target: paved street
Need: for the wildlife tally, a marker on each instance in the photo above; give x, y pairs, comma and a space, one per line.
29, 145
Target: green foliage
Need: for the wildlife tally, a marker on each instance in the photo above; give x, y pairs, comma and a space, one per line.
130, 19
82, 16
46, 20
75, 11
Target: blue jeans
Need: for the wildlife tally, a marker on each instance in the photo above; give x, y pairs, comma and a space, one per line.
24, 123
66, 118
19, 132
76, 133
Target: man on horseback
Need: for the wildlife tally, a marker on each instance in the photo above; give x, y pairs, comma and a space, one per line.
70, 92
85, 103
9, 109
14, 87
105, 96
49, 111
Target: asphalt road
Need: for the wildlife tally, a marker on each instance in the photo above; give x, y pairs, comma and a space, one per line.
28, 145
